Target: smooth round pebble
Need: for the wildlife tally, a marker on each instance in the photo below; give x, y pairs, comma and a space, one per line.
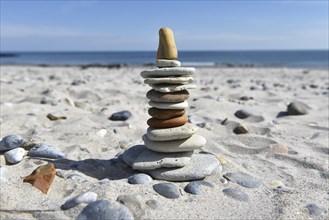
86, 197
194, 142
120, 116
176, 133
297, 108
15, 155
195, 187
139, 178
167, 105
43, 150
167, 123
243, 179
168, 190
236, 194
105, 209
242, 114
167, 63
172, 87
169, 71
200, 166
12, 141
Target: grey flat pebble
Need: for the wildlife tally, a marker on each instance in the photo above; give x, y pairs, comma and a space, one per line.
43, 150
105, 209
201, 165
12, 141
86, 197
141, 158
154, 204
242, 114
132, 204
313, 209
236, 194
243, 179
15, 155
120, 116
194, 187
297, 108
139, 178
168, 190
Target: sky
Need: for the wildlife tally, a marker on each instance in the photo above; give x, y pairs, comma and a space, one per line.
93, 25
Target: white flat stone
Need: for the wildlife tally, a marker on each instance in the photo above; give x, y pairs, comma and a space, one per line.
200, 166
168, 134
168, 71
171, 88
169, 80
169, 105
167, 63
192, 143
139, 157
15, 155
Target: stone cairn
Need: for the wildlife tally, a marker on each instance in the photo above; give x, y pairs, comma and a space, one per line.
168, 150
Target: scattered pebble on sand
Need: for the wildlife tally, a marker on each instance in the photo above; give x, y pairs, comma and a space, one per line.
15, 155
242, 114
43, 150
120, 116
168, 190
240, 129
195, 187
243, 179
139, 178
297, 108
236, 194
12, 141
86, 197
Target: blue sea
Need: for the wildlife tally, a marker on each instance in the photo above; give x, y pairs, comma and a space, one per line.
284, 58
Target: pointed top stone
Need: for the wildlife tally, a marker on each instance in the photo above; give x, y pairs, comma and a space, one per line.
167, 48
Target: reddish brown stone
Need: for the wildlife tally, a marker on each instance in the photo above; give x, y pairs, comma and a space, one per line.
42, 177
179, 96
167, 123
165, 113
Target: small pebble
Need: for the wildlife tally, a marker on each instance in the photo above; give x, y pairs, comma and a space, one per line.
105, 209
194, 187
243, 179
223, 180
77, 177
120, 116
15, 155
139, 178
77, 82
313, 209
236, 194
102, 132
43, 150
52, 117
168, 190
86, 197
242, 114
12, 141
297, 108
154, 204
240, 129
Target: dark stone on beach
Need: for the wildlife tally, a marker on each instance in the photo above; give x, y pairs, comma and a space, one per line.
120, 116
297, 108
314, 86
236, 194
132, 204
139, 178
240, 129
242, 114
246, 98
168, 190
47, 100
105, 209
12, 141
43, 150
243, 179
313, 209
77, 82
195, 187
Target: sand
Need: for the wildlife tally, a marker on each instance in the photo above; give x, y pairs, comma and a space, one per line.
99, 92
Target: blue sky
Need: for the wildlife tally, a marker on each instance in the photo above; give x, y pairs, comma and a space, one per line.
133, 25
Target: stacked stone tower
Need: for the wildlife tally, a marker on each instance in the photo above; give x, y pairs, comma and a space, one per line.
170, 141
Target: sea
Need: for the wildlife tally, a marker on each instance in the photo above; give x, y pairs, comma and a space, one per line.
278, 58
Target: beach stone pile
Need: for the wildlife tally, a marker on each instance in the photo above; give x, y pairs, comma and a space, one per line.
170, 141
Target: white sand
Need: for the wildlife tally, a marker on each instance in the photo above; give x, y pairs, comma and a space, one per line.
304, 169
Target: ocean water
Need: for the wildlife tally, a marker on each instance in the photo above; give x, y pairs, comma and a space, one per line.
288, 58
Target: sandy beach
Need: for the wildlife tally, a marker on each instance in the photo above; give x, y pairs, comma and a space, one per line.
288, 154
